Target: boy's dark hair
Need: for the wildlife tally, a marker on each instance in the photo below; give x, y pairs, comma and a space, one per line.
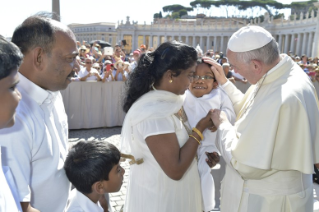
10, 57
89, 162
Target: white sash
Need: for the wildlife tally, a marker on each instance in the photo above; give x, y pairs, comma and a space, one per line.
153, 104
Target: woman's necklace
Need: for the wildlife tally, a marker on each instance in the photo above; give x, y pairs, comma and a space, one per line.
251, 101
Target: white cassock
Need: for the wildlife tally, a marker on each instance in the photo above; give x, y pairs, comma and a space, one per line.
271, 150
196, 109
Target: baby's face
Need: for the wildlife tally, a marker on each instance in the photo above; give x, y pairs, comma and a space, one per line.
200, 86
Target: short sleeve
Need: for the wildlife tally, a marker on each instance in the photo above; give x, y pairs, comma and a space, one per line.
16, 153
156, 126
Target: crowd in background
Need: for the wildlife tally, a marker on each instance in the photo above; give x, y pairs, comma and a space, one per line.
95, 65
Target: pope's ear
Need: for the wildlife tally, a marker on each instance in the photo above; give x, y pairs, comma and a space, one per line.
257, 65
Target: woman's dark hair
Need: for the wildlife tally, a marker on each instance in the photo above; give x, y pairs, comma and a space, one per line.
10, 57
151, 67
89, 162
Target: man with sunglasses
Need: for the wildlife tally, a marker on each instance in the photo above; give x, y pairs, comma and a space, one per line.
88, 73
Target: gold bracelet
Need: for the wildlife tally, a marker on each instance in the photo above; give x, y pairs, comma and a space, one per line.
195, 138
198, 133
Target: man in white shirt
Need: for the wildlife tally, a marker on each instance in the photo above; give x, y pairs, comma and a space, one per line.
36, 146
88, 73
10, 59
271, 149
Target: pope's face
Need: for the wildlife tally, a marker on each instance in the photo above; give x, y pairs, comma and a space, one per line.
244, 69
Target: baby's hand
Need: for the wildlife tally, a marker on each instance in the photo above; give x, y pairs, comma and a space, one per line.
212, 159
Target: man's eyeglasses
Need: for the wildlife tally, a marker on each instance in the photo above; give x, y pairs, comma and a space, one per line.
82, 50
88, 62
196, 77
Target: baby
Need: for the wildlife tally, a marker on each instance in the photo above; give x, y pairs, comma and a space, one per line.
202, 96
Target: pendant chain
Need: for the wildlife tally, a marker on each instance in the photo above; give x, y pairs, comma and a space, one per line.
183, 118
251, 101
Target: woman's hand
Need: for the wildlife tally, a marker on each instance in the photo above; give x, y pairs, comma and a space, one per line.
217, 70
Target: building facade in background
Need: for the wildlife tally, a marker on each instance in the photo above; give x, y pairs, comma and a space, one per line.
298, 36
96, 31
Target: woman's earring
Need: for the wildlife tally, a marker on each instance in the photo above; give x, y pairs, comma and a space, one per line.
170, 81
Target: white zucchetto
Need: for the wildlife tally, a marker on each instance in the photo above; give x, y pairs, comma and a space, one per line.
249, 38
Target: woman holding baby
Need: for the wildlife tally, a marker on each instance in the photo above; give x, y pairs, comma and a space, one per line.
163, 174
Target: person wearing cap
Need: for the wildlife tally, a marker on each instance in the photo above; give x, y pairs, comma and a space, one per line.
83, 53
118, 55
88, 73
228, 74
136, 56
119, 73
297, 59
271, 149
107, 74
143, 49
232, 76
97, 67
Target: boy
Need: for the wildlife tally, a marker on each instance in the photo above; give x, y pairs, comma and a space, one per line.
93, 169
10, 60
202, 96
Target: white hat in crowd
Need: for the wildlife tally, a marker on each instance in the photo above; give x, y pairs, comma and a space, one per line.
119, 64
249, 38
96, 65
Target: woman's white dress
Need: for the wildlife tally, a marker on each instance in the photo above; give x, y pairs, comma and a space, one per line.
149, 188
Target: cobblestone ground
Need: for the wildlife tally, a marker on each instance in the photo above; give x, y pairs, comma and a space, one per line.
111, 135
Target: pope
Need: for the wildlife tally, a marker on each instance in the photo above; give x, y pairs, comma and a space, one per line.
271, 149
